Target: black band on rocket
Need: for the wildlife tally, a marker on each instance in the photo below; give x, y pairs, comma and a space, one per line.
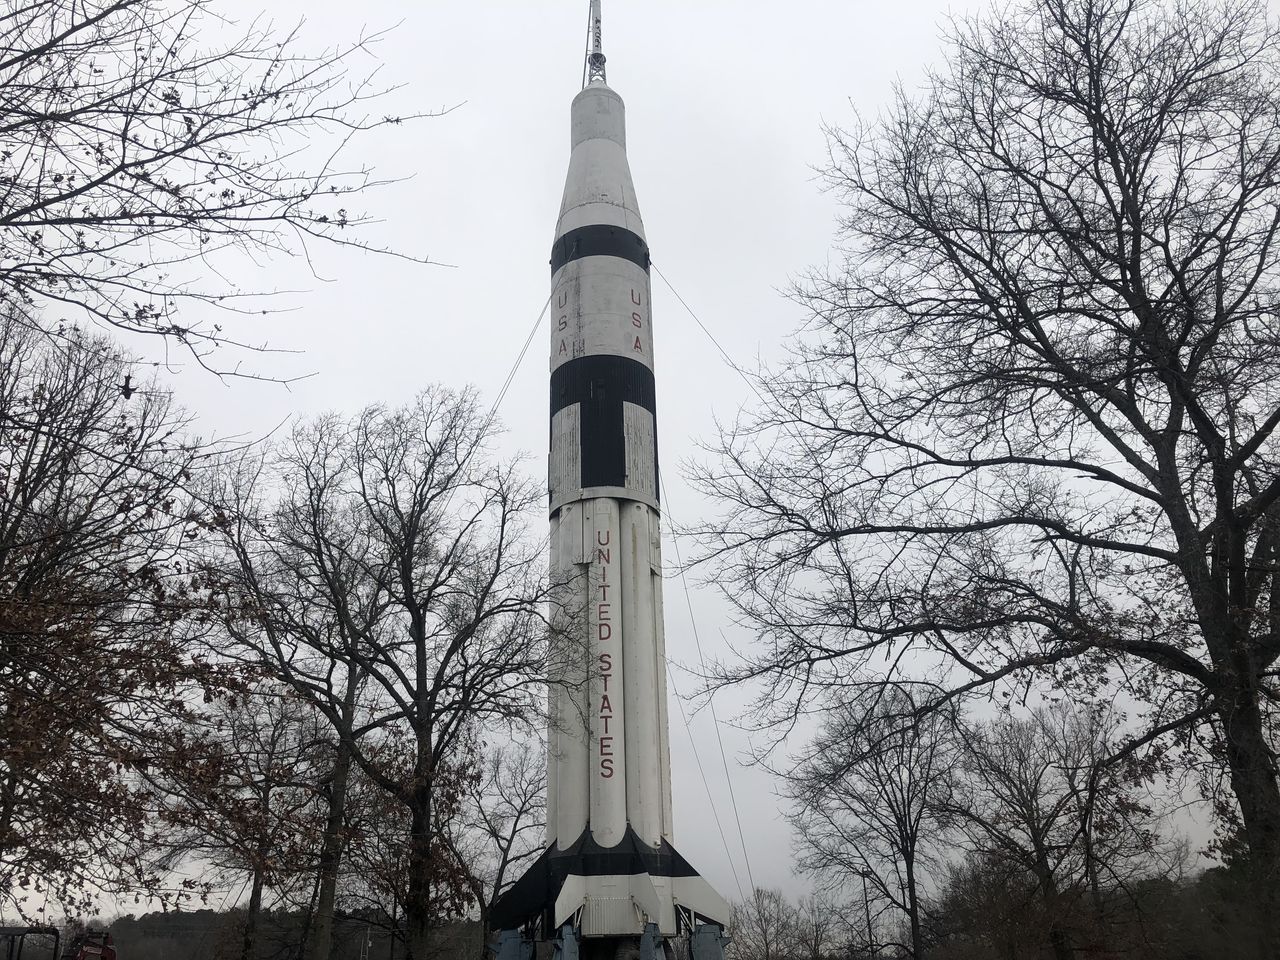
602, 378
602, 383
599, 241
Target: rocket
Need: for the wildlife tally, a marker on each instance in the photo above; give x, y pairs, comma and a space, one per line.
609, 869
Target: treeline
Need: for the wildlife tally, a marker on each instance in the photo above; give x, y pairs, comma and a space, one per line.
1002, 833
211, 935
303, 678
989, 911
206, 934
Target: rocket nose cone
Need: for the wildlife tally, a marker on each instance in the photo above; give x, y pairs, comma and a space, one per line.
598, 114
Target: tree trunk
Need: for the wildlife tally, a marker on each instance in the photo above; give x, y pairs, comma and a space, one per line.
251, 916
320, 944
483, 910
1098, 933
1253, 781
1059, 941
417, 904
913, 911
308, 919
8, 805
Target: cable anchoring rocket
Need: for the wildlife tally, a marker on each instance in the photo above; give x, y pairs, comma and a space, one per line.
610, 884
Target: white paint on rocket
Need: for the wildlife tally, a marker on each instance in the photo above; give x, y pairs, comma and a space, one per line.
609, 766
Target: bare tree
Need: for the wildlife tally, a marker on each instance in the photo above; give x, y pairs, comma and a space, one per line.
397, 552
284, 560
133, 151
817, 927
1028, 794
334, 788
1029, 432
864, 797
98, 603
987, 908
248, 806
764, 927
503, 826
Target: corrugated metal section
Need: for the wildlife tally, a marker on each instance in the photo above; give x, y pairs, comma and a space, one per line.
641, 446
610, 916
564, 465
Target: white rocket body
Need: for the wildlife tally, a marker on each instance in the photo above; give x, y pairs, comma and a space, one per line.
609, 867
613, 769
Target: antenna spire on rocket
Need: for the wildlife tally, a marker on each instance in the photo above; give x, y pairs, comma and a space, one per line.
595, 47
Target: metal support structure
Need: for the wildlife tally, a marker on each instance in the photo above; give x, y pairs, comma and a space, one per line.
511, 945
707, 942
596, 58
651, 943
566, 947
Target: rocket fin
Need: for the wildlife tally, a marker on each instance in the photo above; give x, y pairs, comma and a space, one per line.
619, 889
695, 894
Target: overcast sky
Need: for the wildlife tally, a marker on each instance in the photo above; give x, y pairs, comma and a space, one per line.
725, 104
